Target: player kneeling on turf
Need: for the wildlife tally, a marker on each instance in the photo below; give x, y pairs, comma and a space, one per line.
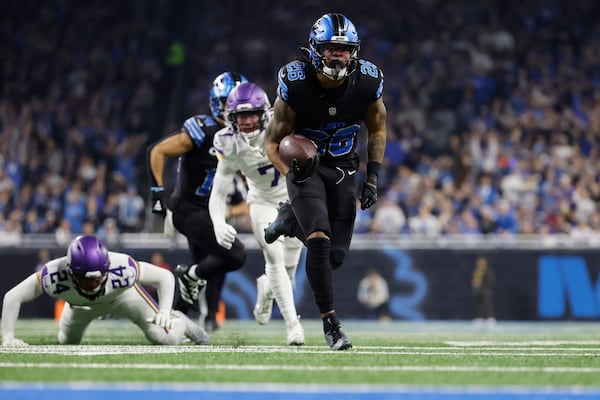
94, 283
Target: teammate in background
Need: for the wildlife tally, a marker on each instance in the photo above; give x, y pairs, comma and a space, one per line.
240, 148
373, 292
483, 291
94, 283
326, 95
189, 201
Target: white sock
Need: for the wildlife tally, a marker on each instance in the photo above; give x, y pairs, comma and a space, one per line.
281, 286
291, 271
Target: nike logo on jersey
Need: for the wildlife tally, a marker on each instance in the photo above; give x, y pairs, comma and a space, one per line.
351, 172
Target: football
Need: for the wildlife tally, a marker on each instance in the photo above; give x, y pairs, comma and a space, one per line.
297, 146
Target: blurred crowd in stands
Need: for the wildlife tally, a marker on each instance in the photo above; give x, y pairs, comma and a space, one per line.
493, 107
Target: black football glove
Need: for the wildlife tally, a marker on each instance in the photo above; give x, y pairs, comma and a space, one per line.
300, 175
158, 200
369, 192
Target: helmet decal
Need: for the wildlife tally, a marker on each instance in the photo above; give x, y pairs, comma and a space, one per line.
220, 89
333, 29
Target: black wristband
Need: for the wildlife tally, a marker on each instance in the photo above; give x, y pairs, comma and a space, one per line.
372, 179
373, 167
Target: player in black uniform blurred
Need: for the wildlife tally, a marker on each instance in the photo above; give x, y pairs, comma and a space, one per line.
197, 163
326, 95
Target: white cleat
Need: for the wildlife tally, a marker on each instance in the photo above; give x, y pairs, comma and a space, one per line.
295, 334
194, 332
264, 300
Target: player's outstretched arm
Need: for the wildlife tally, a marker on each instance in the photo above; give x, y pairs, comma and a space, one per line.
171, 146
157, 153
164, 281
217, 206
30, 288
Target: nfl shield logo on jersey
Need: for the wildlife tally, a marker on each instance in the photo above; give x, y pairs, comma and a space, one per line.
332, 111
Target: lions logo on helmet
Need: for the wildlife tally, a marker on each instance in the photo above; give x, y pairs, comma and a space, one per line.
221, 87
335, 29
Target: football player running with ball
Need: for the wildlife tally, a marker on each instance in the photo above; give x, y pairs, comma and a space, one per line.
94, 283
239, 147
326, 95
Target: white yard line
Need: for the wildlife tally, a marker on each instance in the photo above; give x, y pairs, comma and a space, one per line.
230, 367
457, 351
526, 343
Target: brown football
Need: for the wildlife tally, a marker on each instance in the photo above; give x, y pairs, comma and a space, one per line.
297, 146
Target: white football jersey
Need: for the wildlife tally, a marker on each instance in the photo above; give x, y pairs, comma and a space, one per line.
265, 184
58, 283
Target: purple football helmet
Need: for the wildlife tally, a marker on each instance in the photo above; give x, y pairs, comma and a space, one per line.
88, 263
247, 97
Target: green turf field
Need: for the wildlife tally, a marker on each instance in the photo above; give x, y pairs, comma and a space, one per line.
427, 353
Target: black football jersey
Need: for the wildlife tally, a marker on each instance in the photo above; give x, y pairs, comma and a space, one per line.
330, 117
196, 168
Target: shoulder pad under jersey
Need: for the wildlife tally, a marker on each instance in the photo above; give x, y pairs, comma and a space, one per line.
224, 142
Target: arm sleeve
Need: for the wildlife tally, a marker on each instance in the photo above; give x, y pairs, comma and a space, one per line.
194, 129
164, 281
29, 289
217, 203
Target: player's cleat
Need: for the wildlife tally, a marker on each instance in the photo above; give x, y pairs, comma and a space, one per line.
210, 325
193, 331
295, 334
334, 336
277, 227
264, 300
189, 289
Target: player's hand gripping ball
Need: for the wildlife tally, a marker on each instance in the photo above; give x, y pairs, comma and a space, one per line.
297, 147
300, 154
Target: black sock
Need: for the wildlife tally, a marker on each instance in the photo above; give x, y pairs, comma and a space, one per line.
318, 271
